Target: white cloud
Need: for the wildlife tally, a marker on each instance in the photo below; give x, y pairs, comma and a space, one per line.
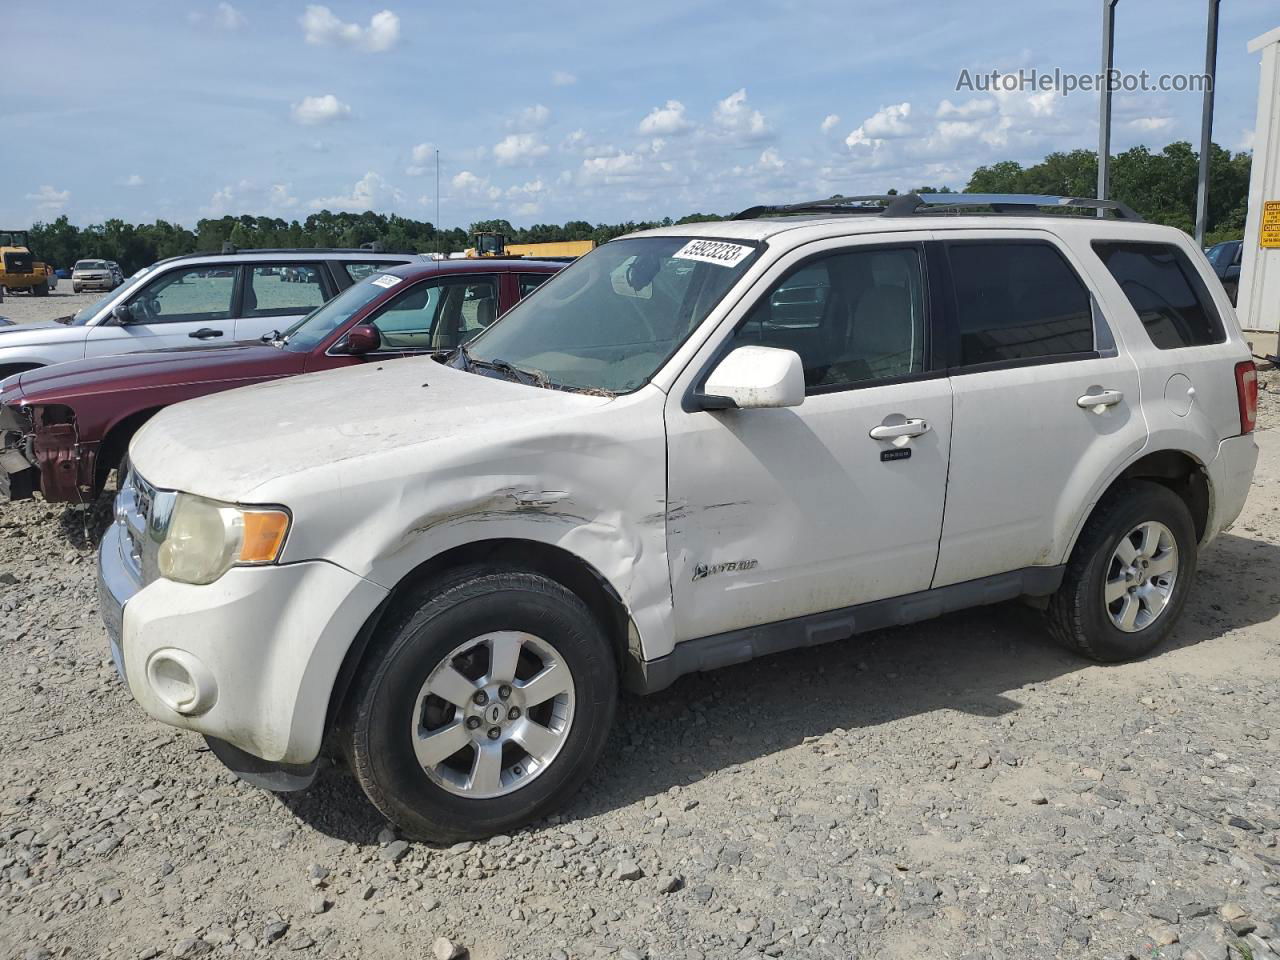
47, 198
321, 27
531, 118
133, 180
421, 159
470, 185
316, 110
610, 168
280, 197
733, 116
1149, 124
666, 121
830, 122
228, 17
1246, 140
518, 147
885, 124
368, 192
770, 160
562, 78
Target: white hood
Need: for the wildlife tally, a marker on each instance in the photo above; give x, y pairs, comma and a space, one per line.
227, 445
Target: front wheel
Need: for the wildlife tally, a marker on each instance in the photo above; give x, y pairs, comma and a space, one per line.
1129, 575
484, 708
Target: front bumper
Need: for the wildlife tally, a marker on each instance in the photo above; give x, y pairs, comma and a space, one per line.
1230, 477
98, 283
260, 647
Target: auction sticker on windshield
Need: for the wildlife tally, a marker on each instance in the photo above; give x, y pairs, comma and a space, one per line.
713, 251
386, 280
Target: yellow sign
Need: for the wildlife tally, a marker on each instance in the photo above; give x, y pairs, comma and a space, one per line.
1269, 235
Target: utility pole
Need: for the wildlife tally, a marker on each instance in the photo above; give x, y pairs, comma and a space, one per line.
1104, 99
1206, 119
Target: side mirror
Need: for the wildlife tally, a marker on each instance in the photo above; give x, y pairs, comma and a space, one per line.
122, 314
363, 338
753, 378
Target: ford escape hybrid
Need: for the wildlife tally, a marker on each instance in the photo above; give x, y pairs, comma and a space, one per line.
693, 446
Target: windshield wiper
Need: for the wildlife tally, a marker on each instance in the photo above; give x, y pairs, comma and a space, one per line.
498, 365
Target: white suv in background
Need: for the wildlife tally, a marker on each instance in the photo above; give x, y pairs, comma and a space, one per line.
694, 446
190, 301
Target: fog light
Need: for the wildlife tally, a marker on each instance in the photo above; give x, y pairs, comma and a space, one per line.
182, 682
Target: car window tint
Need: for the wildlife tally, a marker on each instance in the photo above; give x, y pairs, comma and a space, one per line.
190, 294
361, 270
406, 322
853, 317
530, 282
1018, 301
1165, 291
281, 290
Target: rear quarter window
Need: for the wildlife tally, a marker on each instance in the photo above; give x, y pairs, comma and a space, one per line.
1165, 291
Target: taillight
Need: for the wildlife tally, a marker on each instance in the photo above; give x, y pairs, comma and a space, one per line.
1247, 394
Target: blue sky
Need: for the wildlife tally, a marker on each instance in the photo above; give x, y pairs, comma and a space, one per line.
545, 112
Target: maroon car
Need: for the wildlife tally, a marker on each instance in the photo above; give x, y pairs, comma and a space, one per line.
64, 428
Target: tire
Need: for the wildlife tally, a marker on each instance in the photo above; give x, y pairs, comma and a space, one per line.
1142, 613
446, 634
75, 288
41, 289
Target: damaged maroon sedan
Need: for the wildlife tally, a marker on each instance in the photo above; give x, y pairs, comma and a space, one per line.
64, 428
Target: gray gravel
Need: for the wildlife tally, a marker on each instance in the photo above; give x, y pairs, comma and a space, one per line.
24, 308
959, 789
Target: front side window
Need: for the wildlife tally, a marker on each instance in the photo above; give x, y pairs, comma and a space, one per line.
1018, 300
854, 317
190, 294
438, 315
612, 318
281, 290
1165, 291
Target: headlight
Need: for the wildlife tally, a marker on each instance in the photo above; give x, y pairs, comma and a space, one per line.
207, 538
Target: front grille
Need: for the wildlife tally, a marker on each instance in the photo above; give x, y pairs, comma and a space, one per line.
142, 513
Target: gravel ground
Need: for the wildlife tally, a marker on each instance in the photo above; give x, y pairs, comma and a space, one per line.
24, 308
957, 789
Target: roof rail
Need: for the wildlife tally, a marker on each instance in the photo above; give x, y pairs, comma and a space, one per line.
916, 204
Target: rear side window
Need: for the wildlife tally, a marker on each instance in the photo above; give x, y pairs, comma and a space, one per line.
282, 290
530, 282
1018, 300
1165, 291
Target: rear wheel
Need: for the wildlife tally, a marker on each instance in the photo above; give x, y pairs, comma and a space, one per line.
40, 289
1129, 575
483, 708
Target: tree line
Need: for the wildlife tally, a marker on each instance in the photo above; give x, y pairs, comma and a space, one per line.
1159, 185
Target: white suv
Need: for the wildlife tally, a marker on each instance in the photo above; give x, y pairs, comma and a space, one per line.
694, 446
189, 301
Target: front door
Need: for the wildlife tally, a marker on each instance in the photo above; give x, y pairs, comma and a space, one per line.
182, 307
774, 514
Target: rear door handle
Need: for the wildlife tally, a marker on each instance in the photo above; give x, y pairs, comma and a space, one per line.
1097, 402
205, 333
891, 431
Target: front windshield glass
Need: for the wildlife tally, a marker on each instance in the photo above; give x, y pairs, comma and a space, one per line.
612, 319
308, 332
90, 265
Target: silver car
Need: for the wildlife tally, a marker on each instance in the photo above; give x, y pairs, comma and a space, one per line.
191, 301
93, 275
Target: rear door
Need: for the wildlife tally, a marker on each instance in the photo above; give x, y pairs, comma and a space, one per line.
1029, 350
276, 295
187, 306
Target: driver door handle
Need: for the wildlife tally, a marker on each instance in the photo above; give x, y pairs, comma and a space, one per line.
891, 431
1097, 402
205, 333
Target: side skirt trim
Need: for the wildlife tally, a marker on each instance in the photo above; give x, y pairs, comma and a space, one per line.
739, 646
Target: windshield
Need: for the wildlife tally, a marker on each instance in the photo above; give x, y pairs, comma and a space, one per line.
308, 332
612, 319
90, 265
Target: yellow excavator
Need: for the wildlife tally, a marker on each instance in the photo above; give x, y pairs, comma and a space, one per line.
489, 244
20, 269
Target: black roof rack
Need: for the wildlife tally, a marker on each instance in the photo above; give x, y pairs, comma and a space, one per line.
926, 204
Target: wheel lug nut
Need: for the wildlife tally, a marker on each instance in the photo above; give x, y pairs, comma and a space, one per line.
513, 713
481, 698
504, 691
473, 723
494, 733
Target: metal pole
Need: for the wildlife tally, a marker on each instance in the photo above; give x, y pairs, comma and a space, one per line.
1104, 98
1206, 120
439, 242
